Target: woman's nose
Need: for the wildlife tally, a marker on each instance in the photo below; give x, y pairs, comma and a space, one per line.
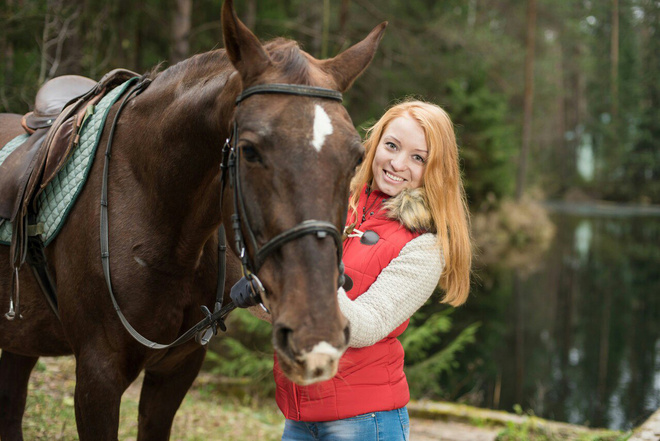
398, 162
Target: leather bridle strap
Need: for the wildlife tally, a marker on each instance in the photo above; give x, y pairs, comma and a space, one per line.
320, 228
211, 321
291, 89
239, 219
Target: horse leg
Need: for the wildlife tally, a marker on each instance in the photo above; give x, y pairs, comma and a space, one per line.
14, 376
162, 393
100, 383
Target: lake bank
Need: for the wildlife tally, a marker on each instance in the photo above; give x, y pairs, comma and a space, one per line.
600, 208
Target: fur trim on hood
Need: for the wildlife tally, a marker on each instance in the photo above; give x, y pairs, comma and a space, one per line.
411, 208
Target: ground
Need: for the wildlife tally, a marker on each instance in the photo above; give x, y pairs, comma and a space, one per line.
204, 415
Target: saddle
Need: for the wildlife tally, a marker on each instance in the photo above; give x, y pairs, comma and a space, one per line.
61, 106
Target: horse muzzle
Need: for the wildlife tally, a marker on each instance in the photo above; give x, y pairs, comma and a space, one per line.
310, 366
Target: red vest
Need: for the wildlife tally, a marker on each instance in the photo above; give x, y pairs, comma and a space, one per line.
369, 379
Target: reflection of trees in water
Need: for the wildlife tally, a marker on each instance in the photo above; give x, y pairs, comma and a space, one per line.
577, 338
621, 315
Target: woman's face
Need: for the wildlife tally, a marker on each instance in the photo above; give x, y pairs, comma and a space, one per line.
401, 156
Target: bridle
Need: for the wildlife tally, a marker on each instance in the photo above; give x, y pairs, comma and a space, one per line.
206, 328
231, 162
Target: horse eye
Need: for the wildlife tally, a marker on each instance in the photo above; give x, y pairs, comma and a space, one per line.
250, 153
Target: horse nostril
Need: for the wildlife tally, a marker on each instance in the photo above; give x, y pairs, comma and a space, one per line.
347, 334
282, 338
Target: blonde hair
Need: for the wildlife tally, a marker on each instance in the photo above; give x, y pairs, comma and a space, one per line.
443, 187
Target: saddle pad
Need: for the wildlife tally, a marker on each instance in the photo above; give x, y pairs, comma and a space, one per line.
57, 199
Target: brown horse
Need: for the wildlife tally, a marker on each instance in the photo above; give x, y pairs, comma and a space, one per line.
298, 153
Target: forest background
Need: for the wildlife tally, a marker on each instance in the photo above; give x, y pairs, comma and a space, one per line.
552, 99
548, 96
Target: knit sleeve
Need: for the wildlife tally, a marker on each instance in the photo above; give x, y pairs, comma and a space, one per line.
401, 288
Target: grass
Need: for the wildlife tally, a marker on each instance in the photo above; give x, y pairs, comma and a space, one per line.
204, 414
533, 429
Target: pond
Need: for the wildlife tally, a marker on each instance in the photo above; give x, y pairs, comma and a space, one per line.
577, 337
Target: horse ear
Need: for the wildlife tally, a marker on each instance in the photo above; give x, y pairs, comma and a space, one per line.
243, 48
348, 65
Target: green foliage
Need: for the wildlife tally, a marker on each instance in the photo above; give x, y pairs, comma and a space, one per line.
485, 138
429, 362
462, 55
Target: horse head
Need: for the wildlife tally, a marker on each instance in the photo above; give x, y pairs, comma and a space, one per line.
297, 156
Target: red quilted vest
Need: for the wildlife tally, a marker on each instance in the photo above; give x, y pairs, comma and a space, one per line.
369, 379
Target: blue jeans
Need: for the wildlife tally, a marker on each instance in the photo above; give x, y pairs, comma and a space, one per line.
392, 425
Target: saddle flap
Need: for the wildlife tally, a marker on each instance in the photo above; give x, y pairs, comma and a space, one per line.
15, 172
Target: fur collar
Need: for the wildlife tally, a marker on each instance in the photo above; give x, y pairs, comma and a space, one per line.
411, 209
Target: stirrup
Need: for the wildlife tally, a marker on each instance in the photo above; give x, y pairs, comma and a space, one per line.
14, 312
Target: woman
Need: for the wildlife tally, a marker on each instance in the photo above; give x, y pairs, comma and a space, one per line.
407, 232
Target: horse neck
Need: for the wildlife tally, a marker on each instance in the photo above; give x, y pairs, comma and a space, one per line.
176, 140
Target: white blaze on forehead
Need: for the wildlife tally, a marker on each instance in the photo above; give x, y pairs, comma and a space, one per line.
322, 127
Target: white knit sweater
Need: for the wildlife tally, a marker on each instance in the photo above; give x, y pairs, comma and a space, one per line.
401, 288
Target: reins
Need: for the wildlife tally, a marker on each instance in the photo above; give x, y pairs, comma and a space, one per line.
206, 328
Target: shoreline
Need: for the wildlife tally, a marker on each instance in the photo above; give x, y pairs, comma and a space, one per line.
600, 208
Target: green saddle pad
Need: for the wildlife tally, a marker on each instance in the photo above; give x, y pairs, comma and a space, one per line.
57, 199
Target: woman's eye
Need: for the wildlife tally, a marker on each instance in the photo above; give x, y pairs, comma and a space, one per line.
391, 145
419, 159
250, 153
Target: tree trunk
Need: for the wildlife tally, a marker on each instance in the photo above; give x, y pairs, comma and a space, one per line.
7, 49
614, 58
313, 14
136, 63
519, 345
343, 21
181, 30
326, 29
528, 99
251, 15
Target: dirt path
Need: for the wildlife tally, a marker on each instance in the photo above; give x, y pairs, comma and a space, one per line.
429, 430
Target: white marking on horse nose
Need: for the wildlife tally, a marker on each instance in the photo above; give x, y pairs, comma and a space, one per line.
322, 127
327, 349
319, 364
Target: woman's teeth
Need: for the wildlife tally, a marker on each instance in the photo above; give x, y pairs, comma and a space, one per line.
392, 177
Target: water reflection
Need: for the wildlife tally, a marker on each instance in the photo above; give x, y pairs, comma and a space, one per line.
578, 339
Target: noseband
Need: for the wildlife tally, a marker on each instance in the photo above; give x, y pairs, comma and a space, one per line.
231, 161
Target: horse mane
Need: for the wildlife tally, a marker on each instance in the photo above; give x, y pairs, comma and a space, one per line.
286, 55
290, 59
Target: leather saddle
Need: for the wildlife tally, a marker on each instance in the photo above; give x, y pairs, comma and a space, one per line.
60, 109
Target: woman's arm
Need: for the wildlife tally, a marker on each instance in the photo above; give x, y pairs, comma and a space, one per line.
400, 289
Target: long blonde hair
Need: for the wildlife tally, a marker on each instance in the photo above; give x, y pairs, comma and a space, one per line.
443, 186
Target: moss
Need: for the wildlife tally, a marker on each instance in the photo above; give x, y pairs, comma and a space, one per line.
515, 427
